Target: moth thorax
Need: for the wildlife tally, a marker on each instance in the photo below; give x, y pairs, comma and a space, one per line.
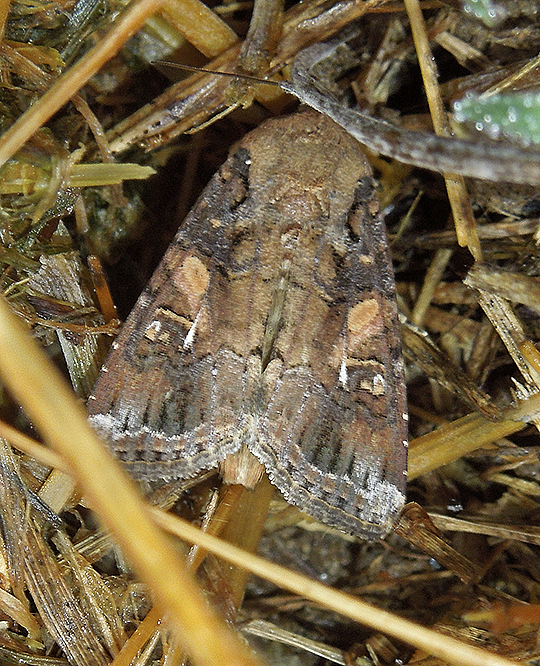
241, 468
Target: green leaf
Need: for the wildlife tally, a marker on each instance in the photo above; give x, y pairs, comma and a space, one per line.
486, 11
514, 115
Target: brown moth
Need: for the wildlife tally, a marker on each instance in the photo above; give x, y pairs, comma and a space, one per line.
268, 336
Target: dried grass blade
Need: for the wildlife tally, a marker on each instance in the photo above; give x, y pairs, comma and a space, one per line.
57, 605
51, 405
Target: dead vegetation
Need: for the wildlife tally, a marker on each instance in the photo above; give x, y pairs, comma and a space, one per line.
463, 558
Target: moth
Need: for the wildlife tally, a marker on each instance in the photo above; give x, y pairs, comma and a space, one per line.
268, 337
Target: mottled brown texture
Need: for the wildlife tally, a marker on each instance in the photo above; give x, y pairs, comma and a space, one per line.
271, 326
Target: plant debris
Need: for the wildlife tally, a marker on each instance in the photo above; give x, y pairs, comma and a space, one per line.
112, 173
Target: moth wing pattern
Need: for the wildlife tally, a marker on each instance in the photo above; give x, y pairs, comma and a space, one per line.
164, 399
271, 325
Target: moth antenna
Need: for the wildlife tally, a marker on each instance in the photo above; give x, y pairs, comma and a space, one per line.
233, 75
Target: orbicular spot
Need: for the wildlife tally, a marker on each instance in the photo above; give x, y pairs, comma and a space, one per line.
192, 278
196, 275
363, 322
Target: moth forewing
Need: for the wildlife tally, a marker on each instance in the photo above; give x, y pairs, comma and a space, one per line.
269, 333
